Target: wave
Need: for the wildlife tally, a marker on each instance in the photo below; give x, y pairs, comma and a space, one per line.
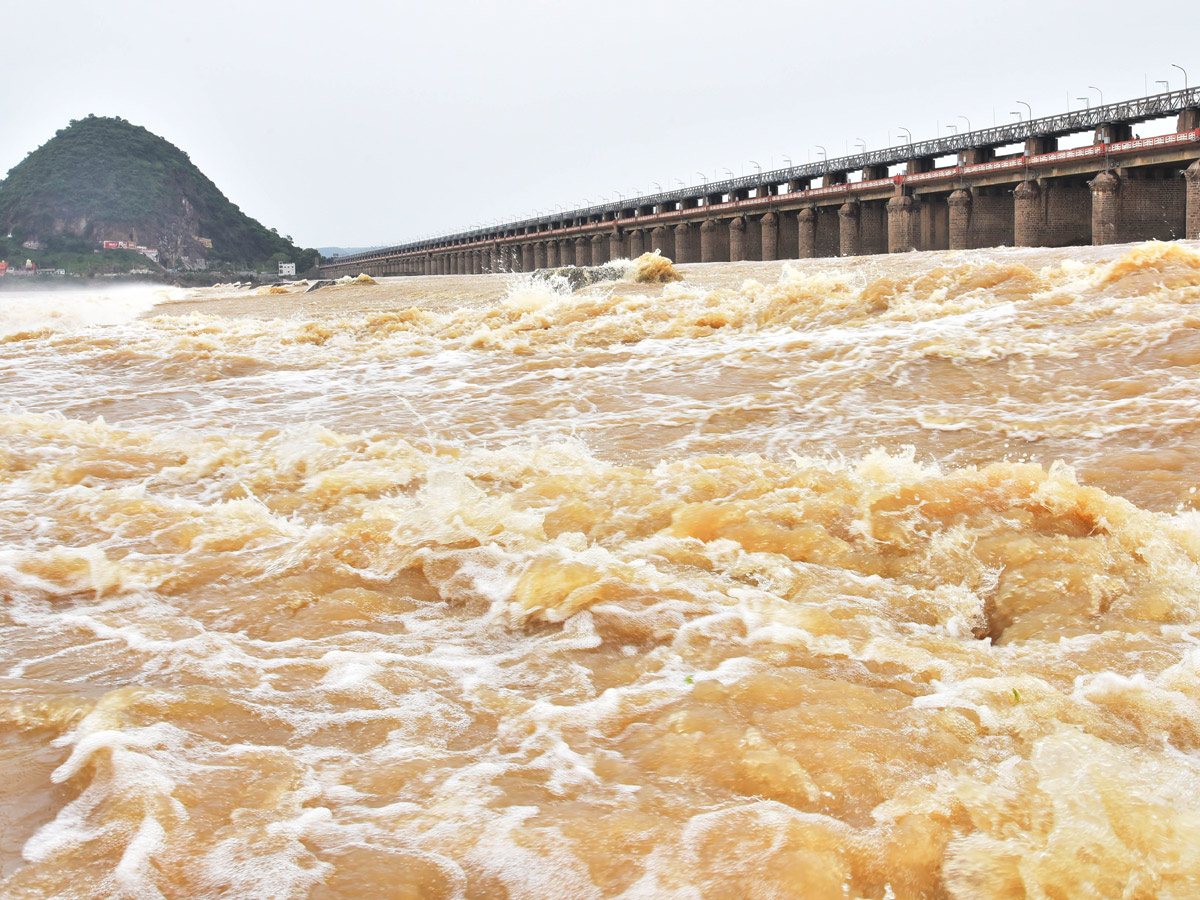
26, 313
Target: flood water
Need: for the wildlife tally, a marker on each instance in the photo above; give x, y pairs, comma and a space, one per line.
866, 578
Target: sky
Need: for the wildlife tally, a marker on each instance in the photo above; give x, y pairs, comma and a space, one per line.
365, 122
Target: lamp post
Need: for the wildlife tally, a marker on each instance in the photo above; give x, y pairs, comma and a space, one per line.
907, 133
1087, 103
859, 142
1028, 107
824, 153
788, 160
1166, 85
1184, 71
968, 121
1098, 91
757, 167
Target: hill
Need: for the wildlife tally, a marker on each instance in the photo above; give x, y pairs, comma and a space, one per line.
105, 179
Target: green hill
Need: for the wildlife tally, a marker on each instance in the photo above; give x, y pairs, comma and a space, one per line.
104, 179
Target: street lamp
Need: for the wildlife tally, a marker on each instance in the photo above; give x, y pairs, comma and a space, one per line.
824, 153
1028, 107
953, 127
703, 177
1184, 71
859, 142
657, 185
757, 167
968, 121
1166, 86
1098, 91
1015, 112
1087, 103
907, 133
788, 159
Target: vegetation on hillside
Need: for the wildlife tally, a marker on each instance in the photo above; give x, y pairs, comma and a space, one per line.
75, 256
106, 171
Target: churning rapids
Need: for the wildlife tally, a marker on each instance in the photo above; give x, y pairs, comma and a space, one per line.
867, 578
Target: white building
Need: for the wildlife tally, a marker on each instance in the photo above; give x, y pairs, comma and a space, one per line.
287, 269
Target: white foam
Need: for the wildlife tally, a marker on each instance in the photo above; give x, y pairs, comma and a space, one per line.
70, 310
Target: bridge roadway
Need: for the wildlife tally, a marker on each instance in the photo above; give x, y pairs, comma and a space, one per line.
1118, 188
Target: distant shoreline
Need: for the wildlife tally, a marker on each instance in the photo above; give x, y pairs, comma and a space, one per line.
31, 283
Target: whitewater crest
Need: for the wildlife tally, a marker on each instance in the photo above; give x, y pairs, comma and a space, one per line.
42, 312
871, 579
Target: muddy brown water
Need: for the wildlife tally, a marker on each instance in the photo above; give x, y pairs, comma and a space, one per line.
871, 578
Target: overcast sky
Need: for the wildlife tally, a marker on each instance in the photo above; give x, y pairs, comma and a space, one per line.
365, 122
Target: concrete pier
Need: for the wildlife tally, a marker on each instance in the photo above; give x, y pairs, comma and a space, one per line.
1149, 203
662, 239
1052, 212
687, 243
981, 217
863, 228
960, 219
1105, 208
848, 228
1193, 200
769, 235
806, 230
737, 240
714, 241
903, 233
